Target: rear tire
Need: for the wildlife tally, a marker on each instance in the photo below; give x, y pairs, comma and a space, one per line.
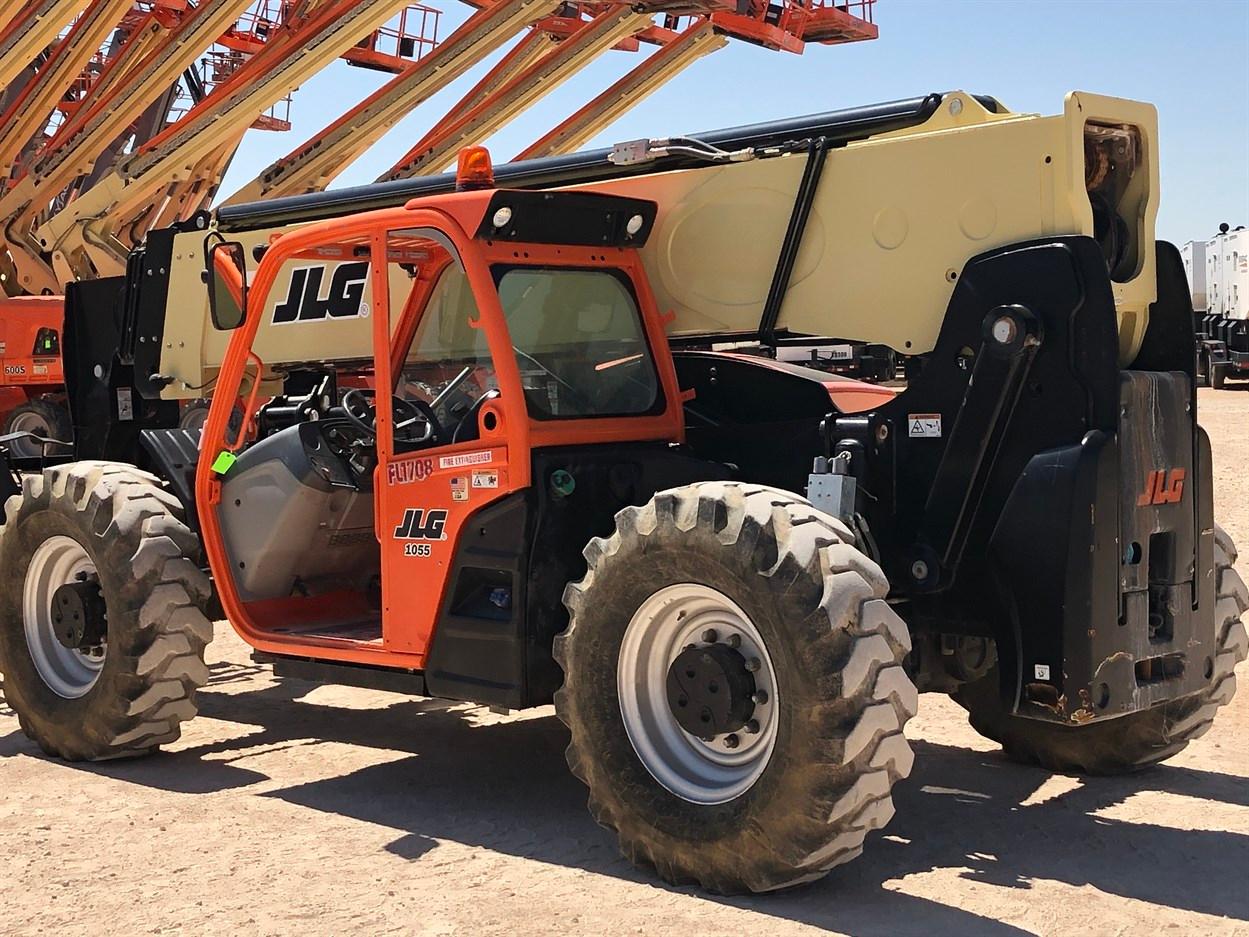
789, 578
1218, 376
45, 418
117, 524
1140, 739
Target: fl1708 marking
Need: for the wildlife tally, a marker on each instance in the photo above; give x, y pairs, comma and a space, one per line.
409, 471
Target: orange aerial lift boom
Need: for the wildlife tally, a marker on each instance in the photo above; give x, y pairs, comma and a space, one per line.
697, 40
81, 239
317, 162
25, 36
438, 148
29, 113
79, 142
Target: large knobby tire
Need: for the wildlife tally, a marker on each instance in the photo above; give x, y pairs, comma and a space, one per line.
118, 525
42, 417
789, 580
1218, 376
1139, 739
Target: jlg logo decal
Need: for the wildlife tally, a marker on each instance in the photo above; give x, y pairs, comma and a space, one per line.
1162, 488
304, 302
419, 524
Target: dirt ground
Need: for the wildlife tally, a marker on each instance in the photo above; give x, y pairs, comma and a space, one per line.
292, 808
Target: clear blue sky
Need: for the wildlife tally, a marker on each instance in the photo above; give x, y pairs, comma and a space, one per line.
1189, 57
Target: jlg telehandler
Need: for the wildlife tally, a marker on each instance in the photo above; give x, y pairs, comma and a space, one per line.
501, 461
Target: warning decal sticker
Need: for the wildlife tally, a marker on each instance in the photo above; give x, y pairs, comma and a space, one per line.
924, 425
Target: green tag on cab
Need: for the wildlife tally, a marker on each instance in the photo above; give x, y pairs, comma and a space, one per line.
224, 462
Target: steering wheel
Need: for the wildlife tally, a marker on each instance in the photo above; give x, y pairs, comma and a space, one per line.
406, 413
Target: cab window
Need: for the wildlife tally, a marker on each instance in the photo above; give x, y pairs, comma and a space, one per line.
443, 368
579, 342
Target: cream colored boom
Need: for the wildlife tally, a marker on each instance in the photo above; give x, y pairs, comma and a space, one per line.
432, 153
82, 238
30, 28
895, 219
317, 162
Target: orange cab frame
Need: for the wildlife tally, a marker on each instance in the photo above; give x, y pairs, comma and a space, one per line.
431, 479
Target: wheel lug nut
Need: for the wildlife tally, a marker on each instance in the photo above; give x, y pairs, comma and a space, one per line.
759, 697
735, 640
753, 664
710, 636
731, 741
752, 727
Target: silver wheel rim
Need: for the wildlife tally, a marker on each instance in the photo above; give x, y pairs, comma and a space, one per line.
696, 770
28, 422
69, 673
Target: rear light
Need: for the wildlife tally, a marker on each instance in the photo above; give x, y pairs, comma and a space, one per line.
474, 170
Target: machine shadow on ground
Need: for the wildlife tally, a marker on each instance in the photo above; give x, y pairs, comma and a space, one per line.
505, 787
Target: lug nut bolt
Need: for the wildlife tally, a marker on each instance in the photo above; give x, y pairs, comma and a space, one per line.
1004, 330
735, 640
752, 727
753, 664
710, 636
759, 697
731, 741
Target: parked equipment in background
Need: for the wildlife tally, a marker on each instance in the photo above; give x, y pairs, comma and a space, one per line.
32, 391
1218, 278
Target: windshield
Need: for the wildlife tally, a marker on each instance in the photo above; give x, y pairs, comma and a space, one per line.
579, 343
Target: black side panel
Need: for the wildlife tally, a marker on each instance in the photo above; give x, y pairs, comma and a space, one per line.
478, 652
1170, 343
504, 602
756, 414
1064, 504
147, 296
937, 499
172, 455
107, 409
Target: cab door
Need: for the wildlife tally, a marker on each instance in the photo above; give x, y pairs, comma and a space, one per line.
446, 433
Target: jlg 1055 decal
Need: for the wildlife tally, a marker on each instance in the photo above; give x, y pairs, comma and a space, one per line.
420, 524
304, 302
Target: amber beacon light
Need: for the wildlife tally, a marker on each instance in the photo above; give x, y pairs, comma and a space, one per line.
474, 170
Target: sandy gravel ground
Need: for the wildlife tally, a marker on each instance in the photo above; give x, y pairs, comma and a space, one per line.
288, 808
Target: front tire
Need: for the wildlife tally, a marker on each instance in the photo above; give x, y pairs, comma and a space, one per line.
114, 531
1140, 739
732, 569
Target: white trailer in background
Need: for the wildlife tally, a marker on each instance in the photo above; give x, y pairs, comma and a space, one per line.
1218, 278
1194, 256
